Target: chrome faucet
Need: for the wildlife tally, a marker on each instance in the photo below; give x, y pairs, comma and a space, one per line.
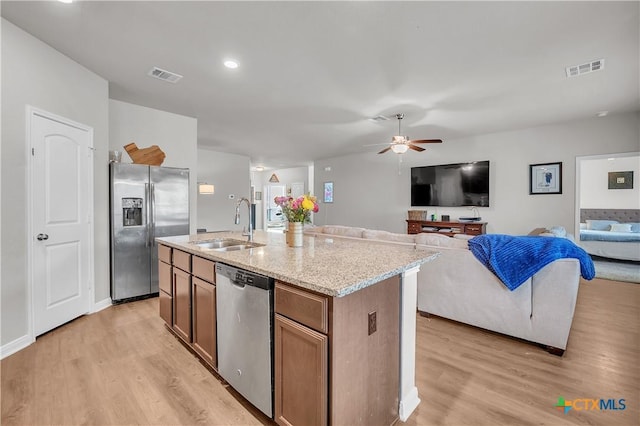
250, 233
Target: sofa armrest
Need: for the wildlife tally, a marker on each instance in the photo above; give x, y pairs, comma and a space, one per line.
554, 293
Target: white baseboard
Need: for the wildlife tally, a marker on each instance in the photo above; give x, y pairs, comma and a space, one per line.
15, 346
408, 404
103, 304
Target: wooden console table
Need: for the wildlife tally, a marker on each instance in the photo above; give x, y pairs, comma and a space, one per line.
449, 228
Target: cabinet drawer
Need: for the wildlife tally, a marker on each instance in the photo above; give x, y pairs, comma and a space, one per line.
473, 229
307, 308
203, 268
182, 260
164, 253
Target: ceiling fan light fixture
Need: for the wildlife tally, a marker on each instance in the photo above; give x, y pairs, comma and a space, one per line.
400, 148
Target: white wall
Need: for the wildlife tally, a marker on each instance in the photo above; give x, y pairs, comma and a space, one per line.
175, 134
229, 173
369, 192
35, 74
594, 183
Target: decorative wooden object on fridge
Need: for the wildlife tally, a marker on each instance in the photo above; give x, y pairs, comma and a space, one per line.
152, 155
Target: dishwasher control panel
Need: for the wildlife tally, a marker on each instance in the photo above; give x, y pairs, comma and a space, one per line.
242, 277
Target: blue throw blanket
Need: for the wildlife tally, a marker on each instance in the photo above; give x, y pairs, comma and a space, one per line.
516, 259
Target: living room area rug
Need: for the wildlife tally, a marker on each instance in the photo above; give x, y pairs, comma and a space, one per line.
617, 270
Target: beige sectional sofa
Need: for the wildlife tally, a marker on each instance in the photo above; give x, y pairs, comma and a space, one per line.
457, 286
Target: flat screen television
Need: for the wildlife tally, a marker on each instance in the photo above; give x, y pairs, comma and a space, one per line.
451, 185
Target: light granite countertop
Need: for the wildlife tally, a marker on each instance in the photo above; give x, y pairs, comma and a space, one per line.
332, 266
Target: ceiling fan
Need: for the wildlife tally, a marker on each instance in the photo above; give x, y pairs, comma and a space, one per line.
401, 144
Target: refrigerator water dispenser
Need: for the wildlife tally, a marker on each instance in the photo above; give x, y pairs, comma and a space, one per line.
131, 211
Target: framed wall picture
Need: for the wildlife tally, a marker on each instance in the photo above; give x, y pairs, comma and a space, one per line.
545, 178
328, 192
621, 180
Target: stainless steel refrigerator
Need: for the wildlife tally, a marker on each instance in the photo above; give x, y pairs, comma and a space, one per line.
146, 202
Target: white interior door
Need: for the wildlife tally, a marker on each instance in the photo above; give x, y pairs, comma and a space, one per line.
61, 197
272, 220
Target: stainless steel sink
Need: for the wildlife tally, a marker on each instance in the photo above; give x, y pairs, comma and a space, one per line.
225, 244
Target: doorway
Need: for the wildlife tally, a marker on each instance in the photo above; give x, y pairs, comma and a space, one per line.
273, 219
60, 218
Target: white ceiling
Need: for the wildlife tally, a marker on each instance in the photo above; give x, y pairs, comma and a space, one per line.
311, 73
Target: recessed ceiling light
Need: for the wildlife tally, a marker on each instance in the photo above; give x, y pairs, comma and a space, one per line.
602, 113
259, 168
65, 1
230, 63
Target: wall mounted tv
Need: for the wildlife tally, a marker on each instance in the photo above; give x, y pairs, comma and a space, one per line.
451, 185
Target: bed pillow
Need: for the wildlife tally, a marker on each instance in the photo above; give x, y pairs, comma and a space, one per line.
635, 226
600, 225
620, 227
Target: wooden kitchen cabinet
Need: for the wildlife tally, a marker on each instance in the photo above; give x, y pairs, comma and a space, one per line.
182, 303
300, 373
204, 309
301, 367
188, 299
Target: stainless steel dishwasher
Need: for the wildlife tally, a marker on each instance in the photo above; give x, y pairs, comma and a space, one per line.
244, 303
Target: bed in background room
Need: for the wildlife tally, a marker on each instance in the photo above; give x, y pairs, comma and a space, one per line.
611, 233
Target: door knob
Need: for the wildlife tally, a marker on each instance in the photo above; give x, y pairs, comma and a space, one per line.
41, 237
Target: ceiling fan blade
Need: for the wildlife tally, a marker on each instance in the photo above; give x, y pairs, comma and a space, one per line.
376, 144
426, 141
385, 150
415, 148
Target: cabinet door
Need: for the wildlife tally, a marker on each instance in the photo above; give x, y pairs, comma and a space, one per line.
182, 304
204, 320
164, 277
166, 307
166, 290
301, 391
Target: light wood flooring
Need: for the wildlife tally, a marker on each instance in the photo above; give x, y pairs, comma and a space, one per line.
122, 366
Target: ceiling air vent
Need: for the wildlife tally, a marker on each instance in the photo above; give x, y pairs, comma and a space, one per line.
592, 66
169, 76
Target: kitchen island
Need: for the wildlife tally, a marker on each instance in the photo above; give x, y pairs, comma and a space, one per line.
344, 320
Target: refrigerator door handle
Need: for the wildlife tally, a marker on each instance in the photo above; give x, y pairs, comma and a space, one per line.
147, 197
152, 219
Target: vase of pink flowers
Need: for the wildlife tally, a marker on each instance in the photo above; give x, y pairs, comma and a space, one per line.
297, 211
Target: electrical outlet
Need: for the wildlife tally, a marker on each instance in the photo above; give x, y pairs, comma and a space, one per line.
373, 325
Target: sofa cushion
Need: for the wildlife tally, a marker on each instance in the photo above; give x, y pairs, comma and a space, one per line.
430, 239
346, 231
388, 236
